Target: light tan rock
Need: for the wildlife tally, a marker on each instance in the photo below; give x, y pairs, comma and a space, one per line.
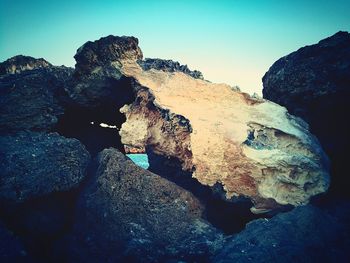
253, 147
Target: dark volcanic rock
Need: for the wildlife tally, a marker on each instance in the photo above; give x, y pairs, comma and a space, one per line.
11, 248
105, 50
32, 100
168, 65
314, 83
21, 63
36, 164
129, 214
97, 82
306, 234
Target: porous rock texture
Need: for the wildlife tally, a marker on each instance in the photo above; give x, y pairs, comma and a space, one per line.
314, 84
34, 164
306, 234
128, 214
253, 147
33, 98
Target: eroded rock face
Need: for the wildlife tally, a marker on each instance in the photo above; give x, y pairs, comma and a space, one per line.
314, 83
128, 213
21, 63
306, 234
169, 66
36, 164
253, 147
32, 99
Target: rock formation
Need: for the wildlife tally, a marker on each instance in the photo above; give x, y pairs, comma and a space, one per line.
306, 234
32, 99
219, 143
21, 63
314, 83
168, 66
128, 213
35, 164
253, 147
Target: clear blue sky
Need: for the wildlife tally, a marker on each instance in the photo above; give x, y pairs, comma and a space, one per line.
229, 41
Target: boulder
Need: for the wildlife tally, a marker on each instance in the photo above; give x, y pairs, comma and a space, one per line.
252, 147
36, 164
314, 84
21, 63
31, 99
306, 234
126, 213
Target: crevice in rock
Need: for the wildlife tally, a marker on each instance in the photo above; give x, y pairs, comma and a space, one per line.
97, 126
89, 127
230, 217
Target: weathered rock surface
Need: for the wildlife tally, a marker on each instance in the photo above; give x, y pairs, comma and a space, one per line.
128, 213
21, 63
36, 164
314, 83
253, 147
11, 248
32, 99
306, 234
168, 66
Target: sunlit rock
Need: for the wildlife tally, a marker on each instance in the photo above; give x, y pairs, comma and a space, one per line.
252, 147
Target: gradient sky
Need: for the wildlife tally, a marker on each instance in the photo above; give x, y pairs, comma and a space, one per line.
229, 41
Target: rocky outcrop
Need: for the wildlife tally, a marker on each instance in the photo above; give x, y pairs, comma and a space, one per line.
21, 63
32, 99
306, 234
250, 146
168, 65
314, 83
129, 214
36, 164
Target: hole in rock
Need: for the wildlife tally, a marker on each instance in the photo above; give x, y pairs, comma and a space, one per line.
97, 127
230, 217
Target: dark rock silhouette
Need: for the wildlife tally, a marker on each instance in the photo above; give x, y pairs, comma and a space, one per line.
126, 213
314, 84
32, 99
11, 248
36, 164
306, 234
168, 65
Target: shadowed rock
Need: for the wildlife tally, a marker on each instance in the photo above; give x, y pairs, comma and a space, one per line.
35, 164
32, 99
306, 234
129, 214
11, 248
